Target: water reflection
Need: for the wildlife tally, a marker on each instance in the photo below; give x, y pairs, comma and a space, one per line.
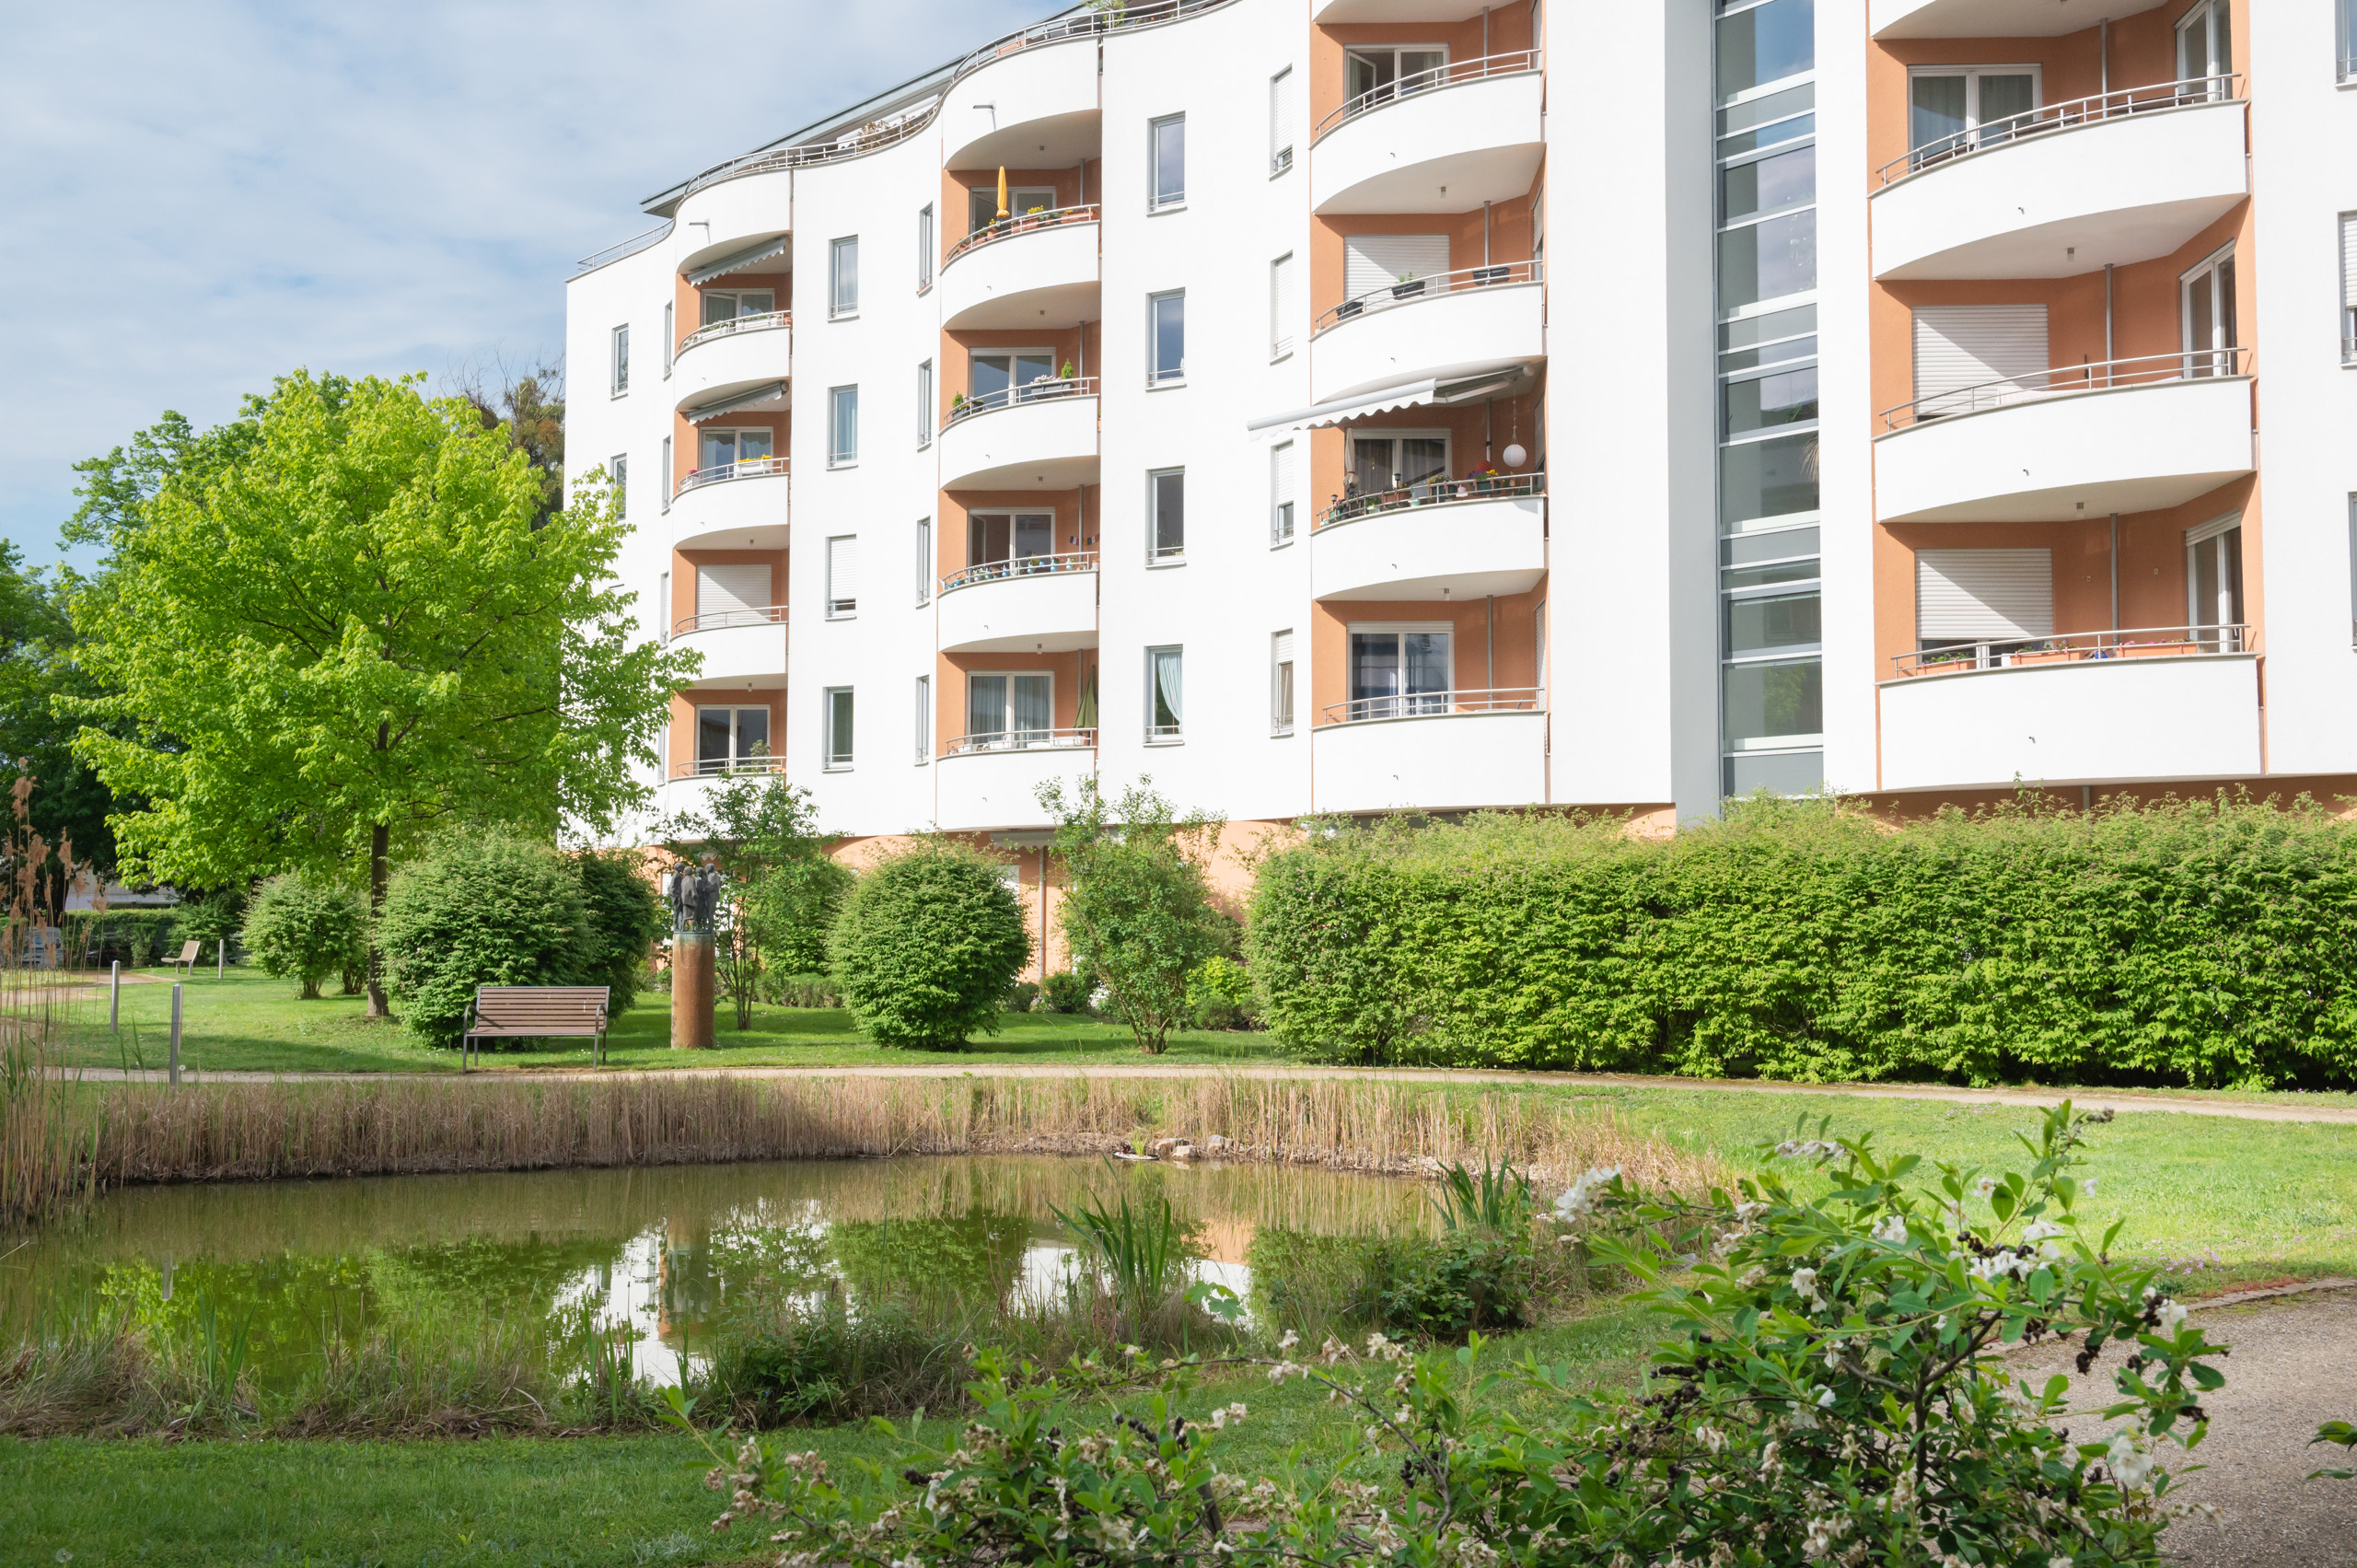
652, 1259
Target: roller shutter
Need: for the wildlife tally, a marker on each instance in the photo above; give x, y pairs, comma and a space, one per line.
2348, 270
843, 573
1372, 262
725, 590
1970, 596
1958, 346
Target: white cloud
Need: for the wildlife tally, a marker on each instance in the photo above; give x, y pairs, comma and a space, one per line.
202, 194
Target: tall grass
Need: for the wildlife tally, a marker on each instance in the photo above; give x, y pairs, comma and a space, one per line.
1138, 1253
48, 1135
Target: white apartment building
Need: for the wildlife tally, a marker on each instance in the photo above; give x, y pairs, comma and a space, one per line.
1353, 404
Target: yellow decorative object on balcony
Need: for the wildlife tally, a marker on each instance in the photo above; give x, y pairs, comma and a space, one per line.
1002, 192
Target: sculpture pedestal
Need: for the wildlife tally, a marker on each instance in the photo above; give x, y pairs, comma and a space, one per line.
691, 991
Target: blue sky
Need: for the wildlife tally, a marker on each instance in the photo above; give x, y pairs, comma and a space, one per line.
202, 195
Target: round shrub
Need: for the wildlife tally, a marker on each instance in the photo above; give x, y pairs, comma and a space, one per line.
481, 911
305, 928
625, 917
927, 942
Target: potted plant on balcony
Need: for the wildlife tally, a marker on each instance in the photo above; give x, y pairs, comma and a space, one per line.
956, 406
1409, 285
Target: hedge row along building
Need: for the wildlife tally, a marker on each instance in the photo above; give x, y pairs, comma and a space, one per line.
1337, 405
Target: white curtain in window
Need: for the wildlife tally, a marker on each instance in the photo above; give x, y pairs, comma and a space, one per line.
1165, 689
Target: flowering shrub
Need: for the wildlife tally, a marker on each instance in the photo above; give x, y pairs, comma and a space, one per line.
1831, 1394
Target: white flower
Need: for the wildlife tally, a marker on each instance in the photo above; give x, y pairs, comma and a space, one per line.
1805, 1286
1985, 1186
1579, 1198
2058, 1561
2171, 1318
2131, 1463
1824, 1397
1290, 1340
2039, 1230
2087, 1185
1892, 1229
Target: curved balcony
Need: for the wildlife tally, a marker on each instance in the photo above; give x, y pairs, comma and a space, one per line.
1323, 13
1436, 750
734, 216
1985, 18
1440, 141
1036, 604
732, 356
740, 647
1029, 101
738, 506
1042, 436
2177, 702
2118, 178
993, 781
1456, 538
1444, 325
1038, 270
2132, 435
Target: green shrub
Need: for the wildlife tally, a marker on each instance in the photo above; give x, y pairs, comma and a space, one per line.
217, 916
625, 917
1220, 996
141, 937
1020, 997
2202, 942
1065, 993
478, 911
306, 927
928, 940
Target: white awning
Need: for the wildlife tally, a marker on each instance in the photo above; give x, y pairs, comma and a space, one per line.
742, 259
767, 392
1406, 394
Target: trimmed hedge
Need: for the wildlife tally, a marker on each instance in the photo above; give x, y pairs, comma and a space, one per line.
2209, 943
143, 936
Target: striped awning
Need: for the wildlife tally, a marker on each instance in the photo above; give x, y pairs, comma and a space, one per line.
1403, 394
742, 259
768, 391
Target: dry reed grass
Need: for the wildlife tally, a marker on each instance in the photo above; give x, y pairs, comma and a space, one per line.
47, 1133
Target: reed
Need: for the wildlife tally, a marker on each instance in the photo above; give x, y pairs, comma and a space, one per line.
48, 1132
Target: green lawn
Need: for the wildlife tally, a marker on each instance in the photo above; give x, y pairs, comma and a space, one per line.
247, 1021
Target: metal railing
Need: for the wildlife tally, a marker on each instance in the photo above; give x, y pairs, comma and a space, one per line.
768, 615
2349, 335
1021, 741
620, 249
1456, 72
2069, 647
1436, 490
743, 468
1046, 389
760, 323
2069, 381
1410, 291
1023, 223
1020, 566
1437, 704
2065, 116
720, 767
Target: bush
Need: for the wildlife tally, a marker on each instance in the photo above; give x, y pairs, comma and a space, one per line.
1065, 993
928, 940
2204, 942
1020, 997
137, 938
306, 927
1219, 996
625, 917
799, 990
217, 916
480, 911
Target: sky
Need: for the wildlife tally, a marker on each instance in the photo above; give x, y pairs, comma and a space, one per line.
199, 195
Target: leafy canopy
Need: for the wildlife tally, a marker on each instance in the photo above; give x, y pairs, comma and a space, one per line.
781, 887
304, 927
928, 940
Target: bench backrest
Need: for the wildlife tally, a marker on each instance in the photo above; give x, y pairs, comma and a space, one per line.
545, 1007
189, 951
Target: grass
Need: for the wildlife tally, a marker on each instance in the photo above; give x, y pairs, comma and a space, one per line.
244, 1021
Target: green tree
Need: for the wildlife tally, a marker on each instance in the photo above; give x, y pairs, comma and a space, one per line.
928, 940
625, 917
304, 927
529, 410
781, 887
482, 909
1136, 911
68, 804
336, 627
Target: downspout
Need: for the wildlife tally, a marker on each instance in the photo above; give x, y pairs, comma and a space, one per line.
1485, 32
2107, 351
1489, 630
2103, 49
2115, 571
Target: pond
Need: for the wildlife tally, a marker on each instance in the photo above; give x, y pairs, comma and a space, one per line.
650, 1258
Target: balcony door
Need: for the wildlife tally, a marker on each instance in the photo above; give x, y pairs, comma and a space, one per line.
1381, 463
1010, 709
1380, 74
1009, 537
2213, 584
2205, 46
1954, 110
997, 378
2209, 296
982, 210
1397, 670
730, 738
735, 304
722, 448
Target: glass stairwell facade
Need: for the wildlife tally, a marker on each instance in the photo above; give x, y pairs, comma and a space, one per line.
1771, 676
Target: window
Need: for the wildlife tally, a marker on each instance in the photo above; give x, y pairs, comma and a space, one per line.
733, 596
925, 717
843, 576
619, 468
1166, 527
1011, 537
1382, 270
2348, 40
1280, 494
981, 204
662, 605
924, 405
924, 560
2208, 315
2349, 282
843, 427
1011, 709
1165, 693
1280, 122
1953, 110
2213, 582
622, 360
666, 474
1764, 43
843, 277
1168, 184
1167, 353
720, 451
2205, 46
1378, 74
1971, 595
993, 380
1280, 683
730, 738
670, 336
1386, 462
839, 728
1399, 669
925, 247
1281, 307
736, 304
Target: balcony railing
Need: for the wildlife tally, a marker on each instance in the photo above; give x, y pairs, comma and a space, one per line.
2070, 647
1438, 491
721, 767
2069, 381
1410, 291
2348, 336
743, 468
760, 323
1435, 704
1022, 740
1020, 566
2069, 115
621, 247
1451, 75
769, 615
1046, 389
1022, 223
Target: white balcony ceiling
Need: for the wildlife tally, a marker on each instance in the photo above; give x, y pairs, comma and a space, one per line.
1445, 150
1457, 549
1994, 18
719, 369
1447, 336
1034, 108
2088, 722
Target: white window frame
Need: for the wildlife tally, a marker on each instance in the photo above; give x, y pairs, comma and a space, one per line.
1350, 439
736, 296
1155, 554
1280, 123
976, 513
1395, 50
1283, 509
704, 433
924, 561
925, 247
618, 470
1970, 130
837, 762
1155, 200
670, 486
618, 367
2200, 15
1282, 285
1156, 376
2345, 233
841, 607
2205, 273
1007, 730
835, 398
1165, 734
925, 404
1015, 390
925, 719
671, 336
1353, 629
737, 756
2209, 533
839, 274
1284, 683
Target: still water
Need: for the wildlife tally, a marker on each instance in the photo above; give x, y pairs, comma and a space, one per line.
651, 1258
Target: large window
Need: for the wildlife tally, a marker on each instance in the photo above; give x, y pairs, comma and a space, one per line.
1400, 670
1280, 683
1167, 314
1958, 108
1378, 73
838, 708
1169, 141
925, 717
843, 277
1167, 525
1014, 708
1388, 462
736, 304
731, 738
717, 449
1165, 695
2205, 45
924, 405
981, 204
1012, 538
843, 576
1281, 119
2349, 284
843, 427
622, 360
2208, 315
925, 247
619, 468
997, 378
670, 336
1281, 492
2214, 580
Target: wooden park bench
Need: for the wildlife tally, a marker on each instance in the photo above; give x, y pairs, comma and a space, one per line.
185, 965
535, 1011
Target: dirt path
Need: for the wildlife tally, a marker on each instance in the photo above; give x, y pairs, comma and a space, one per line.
2118, 1099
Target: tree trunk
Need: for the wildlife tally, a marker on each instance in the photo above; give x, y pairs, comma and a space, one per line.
380, 854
